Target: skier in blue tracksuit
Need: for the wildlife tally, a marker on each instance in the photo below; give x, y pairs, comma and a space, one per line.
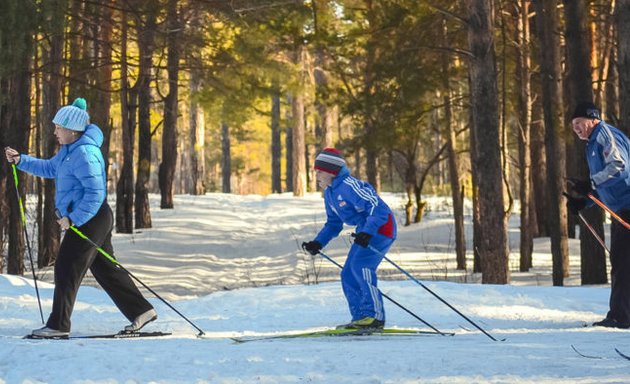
608, 157
80, 200
355, 202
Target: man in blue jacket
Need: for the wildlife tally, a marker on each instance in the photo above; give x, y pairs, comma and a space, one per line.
355, 202
608, 157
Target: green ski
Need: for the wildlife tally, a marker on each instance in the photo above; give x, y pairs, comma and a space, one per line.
340, 333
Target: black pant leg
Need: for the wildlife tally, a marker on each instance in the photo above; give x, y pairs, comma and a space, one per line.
620, 270
114, 280
74, 258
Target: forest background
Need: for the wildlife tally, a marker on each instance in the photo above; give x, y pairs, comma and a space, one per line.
470, 99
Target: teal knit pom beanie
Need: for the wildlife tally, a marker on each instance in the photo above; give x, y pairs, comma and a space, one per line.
73, 117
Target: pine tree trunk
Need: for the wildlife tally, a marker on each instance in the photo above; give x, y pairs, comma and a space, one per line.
166, 171
580, 88
299, 147
16, 118
523, 73
289, 144
547, 30
78, 82
323, 129
453, 168
226, 158
487, 161
539, 163
52, 86
146, 44
128, 100
622, 20
100, 112
197, 139
276, 144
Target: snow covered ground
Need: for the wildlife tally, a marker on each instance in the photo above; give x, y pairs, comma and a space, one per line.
232, 265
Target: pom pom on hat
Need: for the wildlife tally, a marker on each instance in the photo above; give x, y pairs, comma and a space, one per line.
80, 103
73, 117
586, 109
330, 160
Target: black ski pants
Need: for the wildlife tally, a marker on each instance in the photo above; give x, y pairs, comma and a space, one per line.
75, 256
620, 269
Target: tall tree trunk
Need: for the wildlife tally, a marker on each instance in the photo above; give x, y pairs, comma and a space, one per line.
16, 40
323, 128
622, 21
371, 152
102, 93
166, 171
524, 134
146, 25
128, 104
547, 29
197, 139
453, 168
487, 161
52, 86
539, 179
580, 88
226, 158
324, 119
289, 144
299, 146
276, 144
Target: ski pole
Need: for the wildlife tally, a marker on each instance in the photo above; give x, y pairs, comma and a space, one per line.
590, 228
325, 256
117, 264
28, 243
593, 232
431, 292
605, 208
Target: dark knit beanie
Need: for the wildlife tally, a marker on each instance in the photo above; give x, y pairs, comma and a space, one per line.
330, 160
586, 109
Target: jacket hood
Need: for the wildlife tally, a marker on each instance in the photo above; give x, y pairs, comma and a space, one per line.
92, 136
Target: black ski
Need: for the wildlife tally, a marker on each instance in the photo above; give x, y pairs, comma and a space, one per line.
119, 335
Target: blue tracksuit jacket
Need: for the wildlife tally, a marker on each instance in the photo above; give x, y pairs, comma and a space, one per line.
608, 156
79, 173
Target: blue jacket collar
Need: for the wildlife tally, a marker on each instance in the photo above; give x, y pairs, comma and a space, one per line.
345, 172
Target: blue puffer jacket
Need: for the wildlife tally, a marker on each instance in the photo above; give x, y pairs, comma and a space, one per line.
355, 202
79, 173
608, 157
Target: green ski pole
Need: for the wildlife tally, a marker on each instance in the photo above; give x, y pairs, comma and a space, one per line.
28, 243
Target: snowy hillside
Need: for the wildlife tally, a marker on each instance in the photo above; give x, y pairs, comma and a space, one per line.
231, 264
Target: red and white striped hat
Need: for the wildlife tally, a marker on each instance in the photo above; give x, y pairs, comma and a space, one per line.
330, 160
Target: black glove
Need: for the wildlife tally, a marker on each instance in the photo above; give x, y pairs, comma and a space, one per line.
362, 239
312, 247
580, 187
575, 204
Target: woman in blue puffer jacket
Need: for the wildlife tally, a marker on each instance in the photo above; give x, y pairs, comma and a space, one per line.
80, 200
